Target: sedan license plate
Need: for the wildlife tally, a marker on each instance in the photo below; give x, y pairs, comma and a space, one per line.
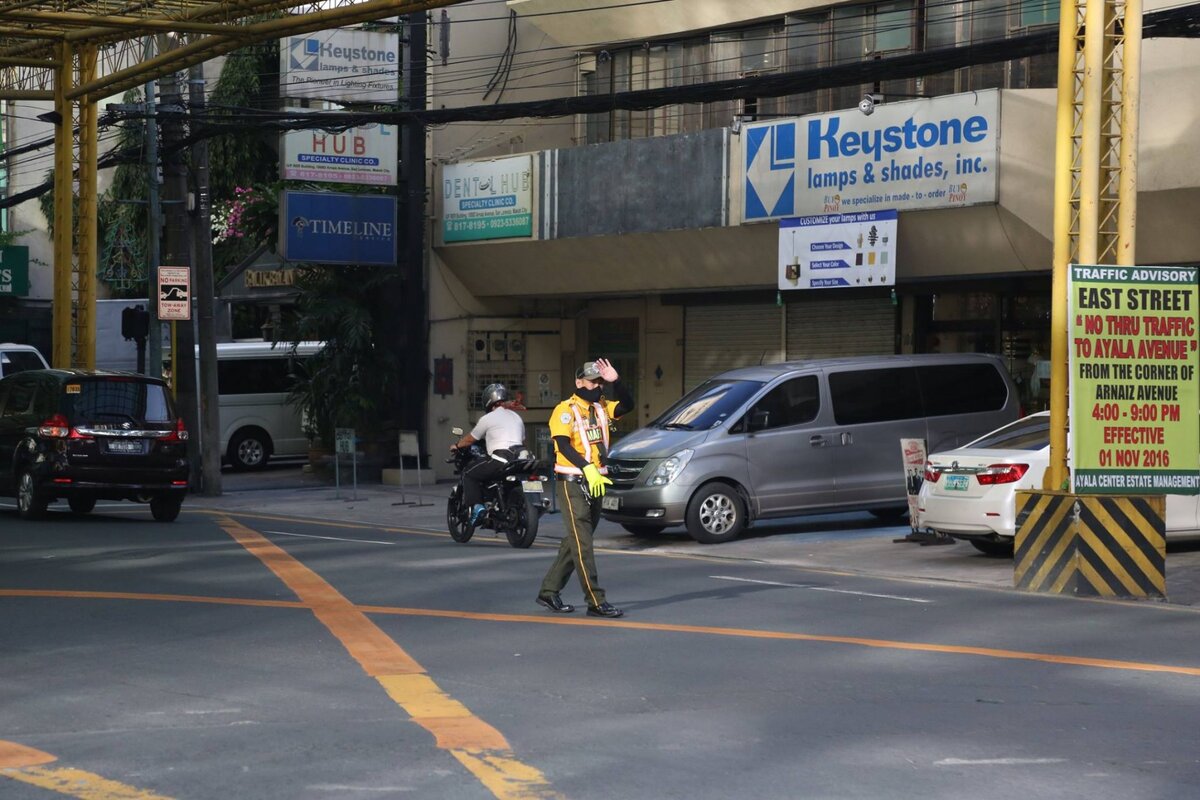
957, 483
134, 446
610, 503
531, 486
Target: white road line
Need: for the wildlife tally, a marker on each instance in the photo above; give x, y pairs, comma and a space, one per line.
329, 538
1002, 762
822, 589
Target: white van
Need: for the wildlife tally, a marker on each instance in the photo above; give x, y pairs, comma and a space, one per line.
19, 357
257, 422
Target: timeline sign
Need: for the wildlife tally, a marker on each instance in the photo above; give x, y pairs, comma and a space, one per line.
1135, 404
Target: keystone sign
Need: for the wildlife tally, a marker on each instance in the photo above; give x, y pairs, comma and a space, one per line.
337, 228
14, 271
341, 64
939, 152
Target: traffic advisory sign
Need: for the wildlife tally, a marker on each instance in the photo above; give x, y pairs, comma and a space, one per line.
1135, 408
174, 293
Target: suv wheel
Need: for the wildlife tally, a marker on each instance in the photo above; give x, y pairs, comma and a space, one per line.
80, 504
31, 500
715, 514
165, 508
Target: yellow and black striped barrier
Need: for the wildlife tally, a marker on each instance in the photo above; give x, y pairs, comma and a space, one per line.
1091, 545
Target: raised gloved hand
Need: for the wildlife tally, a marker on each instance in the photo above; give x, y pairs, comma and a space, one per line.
596, 482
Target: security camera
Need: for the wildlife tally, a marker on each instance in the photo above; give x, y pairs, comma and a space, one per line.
867, 104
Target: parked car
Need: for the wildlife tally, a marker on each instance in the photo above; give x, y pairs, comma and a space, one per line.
970, 492
800, 437
16, 358
84, 436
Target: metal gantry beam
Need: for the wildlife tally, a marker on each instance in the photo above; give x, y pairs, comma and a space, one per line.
1095, 180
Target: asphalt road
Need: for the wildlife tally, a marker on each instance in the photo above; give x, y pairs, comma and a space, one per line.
243, 654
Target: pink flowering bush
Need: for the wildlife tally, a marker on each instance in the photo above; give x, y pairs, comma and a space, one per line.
252, 214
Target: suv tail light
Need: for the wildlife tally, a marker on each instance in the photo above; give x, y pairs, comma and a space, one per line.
180, 433
57, 427
932, 473
1001, 473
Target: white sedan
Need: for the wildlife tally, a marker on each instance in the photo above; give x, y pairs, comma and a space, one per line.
970, 492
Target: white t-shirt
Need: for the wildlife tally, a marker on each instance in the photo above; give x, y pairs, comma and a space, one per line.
502, 427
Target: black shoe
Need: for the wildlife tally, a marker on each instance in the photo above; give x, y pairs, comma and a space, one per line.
554, 603
605, 610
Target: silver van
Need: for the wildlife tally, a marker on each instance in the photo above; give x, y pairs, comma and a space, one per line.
798, 438
16, 358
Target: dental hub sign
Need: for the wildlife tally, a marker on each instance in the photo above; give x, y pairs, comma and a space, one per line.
928, 153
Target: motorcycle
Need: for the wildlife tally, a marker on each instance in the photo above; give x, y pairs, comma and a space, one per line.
513, 500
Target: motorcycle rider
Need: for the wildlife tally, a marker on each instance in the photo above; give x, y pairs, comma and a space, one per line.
504, 432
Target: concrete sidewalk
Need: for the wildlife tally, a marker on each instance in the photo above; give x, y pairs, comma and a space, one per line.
849, 542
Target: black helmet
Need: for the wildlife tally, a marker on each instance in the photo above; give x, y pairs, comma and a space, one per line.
493, 394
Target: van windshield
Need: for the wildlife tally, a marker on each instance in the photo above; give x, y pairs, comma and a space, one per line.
708, 405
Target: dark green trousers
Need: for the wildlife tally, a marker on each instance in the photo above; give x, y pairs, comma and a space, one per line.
580, 513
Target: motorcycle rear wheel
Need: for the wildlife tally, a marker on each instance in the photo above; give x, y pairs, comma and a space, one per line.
525, 531
460, 527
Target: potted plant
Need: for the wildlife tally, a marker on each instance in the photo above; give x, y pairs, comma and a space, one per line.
348, 382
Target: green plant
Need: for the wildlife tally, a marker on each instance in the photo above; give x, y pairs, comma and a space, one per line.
348, 383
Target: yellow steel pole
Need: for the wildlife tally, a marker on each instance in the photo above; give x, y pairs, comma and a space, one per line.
85, 311
1131, 64
1091, 144
63, 223
1064, 158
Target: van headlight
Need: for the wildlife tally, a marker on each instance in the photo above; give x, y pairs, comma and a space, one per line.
670, 468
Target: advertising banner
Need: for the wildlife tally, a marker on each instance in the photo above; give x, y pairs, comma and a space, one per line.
14, 271
487, 199
338, 228
831, 251
174, 293
341, 64
364, 154
940, 152
1135, 405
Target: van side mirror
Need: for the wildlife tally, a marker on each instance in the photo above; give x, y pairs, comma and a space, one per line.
759, 420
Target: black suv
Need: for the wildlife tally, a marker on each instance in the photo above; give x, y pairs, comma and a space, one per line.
85, 436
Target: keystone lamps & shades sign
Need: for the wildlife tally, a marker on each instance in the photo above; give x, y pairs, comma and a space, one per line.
340, 64
1135, 398
930, 153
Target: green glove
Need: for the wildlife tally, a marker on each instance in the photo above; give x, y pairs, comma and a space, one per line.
596, 482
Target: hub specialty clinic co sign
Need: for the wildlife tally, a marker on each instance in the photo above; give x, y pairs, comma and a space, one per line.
1135, 404
930, 153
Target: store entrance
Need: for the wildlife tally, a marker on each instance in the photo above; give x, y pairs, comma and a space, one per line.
1012, 322
617, 340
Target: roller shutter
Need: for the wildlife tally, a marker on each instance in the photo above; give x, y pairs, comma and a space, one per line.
717, 338
828, 328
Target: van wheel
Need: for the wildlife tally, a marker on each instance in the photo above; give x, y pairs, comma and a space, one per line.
993, 549
250, 449
715, 514
165, 508
31, 500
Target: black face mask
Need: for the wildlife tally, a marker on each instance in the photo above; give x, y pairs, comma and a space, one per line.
591, 395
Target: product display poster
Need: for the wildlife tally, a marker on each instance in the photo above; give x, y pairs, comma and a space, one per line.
833, 251
1132, 357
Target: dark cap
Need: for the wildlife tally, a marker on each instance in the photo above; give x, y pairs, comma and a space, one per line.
588, 372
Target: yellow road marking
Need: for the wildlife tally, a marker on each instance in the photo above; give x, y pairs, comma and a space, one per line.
478, 746
748, 633
24, 764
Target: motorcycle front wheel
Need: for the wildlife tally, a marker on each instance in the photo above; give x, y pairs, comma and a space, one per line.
456, 518
522, 534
